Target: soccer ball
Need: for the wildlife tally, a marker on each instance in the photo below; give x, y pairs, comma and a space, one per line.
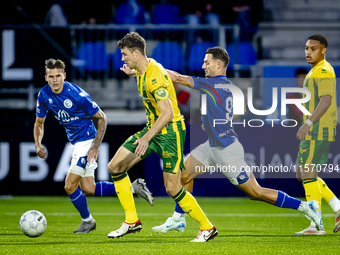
33, 223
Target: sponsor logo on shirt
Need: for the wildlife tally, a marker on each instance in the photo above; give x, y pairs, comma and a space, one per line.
65, 117
166, 154
224, 134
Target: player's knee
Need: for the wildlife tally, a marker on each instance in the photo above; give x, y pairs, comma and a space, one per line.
114, 167
70, 188
88, 193
185, 179
171, 190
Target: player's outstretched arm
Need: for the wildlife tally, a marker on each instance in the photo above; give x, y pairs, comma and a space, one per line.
101, 129
185, 80
164, 118
321, 108
38, 133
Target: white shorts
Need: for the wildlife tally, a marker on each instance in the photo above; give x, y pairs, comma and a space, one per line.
229, 160
79, 159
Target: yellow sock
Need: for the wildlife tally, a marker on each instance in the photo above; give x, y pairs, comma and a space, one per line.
191, 207
312, 190
326, 193
124, 193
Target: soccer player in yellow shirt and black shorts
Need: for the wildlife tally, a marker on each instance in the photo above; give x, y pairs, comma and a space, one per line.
164, 134
318, 130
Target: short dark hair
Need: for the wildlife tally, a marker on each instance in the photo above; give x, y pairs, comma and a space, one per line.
133, 41
301, 71
319, 38
54, 63
220, 54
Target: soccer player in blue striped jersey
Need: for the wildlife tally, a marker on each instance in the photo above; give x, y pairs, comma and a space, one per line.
223, 147
74, 108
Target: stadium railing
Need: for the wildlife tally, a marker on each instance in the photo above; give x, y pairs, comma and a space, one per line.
95, 61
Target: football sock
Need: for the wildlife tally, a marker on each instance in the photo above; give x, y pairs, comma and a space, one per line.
177, 215
79, 201
285, 201
104, 189
191, 207
124, 193
312, 190
179, 209
329, 196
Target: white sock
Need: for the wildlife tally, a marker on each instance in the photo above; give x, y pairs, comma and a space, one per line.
177, 215
335, 204
88, 218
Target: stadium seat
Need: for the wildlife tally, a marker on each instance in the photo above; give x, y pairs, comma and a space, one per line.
246, 57
117, 60
166, 14
196, 55
130, 13
170, 55
94, 56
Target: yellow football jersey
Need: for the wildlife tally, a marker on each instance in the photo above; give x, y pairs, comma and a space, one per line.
155, 86
321, 81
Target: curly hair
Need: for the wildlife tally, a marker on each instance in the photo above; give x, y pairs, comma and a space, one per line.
133, 41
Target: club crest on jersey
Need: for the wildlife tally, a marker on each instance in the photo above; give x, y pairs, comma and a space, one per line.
68, 103
161, 92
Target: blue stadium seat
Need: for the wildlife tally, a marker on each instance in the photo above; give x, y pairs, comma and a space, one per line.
246, 58
196, 55
170, 55
117, 60
166, 14
130, 14
94, 56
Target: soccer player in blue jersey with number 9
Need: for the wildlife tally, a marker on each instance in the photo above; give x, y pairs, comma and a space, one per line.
223, 148
74, 108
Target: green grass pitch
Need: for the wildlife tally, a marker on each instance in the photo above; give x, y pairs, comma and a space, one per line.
244, 226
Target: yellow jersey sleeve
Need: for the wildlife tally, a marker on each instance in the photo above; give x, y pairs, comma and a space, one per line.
157, 85
325, 81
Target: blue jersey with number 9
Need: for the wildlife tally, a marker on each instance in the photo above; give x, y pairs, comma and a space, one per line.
219, 110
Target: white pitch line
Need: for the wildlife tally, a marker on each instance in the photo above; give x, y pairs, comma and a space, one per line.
289, 215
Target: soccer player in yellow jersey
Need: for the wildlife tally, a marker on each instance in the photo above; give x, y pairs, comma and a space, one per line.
164, 134
318, 130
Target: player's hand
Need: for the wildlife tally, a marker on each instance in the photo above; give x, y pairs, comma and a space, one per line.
128, 70
303, 131
40, 151
143, 144
203, 128
92, 155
